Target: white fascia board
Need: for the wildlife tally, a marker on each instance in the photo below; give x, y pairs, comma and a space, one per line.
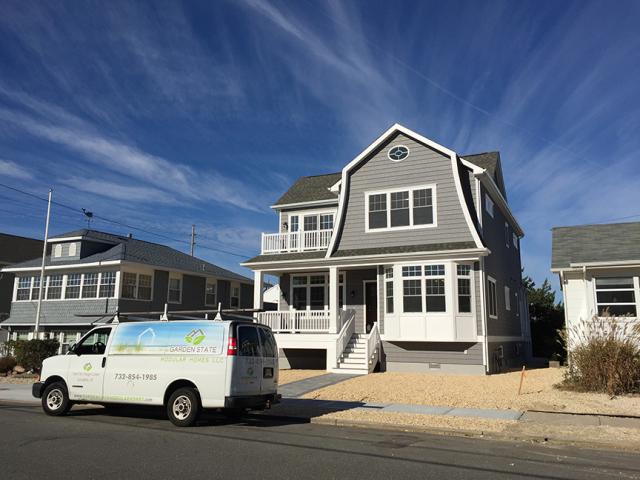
63, 239
498, 198
313, 203
397, 128
63, 267
368, 260
473, 167
621, 263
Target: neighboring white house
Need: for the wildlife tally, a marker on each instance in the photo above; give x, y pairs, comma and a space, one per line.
599, 269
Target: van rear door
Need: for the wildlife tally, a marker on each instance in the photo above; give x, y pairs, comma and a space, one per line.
269, 382
247, 367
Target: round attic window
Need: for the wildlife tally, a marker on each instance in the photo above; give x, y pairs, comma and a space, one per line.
397, 153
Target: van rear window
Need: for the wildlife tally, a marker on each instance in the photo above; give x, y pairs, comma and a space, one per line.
248, 344
269, 348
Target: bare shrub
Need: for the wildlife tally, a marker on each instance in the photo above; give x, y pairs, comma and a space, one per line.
604, 356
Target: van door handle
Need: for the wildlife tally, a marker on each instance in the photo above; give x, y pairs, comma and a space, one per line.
104, 361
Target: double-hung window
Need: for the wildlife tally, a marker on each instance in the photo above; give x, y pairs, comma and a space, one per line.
35, 290
310, 223
616, 296
54, 287
491, 298
488, 205
507, 298
464, 288
326, 221
72, 290
89, 285
210, 292
107, 284
175, 289
405, 208
24, 288
136, 286
434, 288
235, 295
388, 289
412, 289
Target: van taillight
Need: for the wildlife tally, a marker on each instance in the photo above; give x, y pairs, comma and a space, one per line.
232, 349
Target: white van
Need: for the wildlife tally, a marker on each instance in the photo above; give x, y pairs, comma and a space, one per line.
182, 365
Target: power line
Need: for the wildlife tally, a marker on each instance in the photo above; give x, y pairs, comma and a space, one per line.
122, 224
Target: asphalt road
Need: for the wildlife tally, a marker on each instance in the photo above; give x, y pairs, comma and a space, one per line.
90, 444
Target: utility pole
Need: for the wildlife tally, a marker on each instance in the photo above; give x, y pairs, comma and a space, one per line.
193, 238
41, 291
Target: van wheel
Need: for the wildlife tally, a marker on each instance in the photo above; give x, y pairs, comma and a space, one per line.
55, 399
183, 407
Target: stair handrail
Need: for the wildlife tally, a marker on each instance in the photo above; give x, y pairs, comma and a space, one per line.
346, 332
373, 347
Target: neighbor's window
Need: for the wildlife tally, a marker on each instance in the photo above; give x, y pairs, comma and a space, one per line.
434, 288
54, 287
492, 301
402, 208
35, 290
388, 288
464, 288
129, 284
107, 284
73, 285
210, 292
514, 239
144, 286
488, 205
89, 285
24, 288
507, 298
175, 289
507, 237
616, 296
235, 296
57, 250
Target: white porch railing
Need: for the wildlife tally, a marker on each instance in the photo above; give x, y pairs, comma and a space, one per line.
313, 321
296, 241
373, 347
348, 329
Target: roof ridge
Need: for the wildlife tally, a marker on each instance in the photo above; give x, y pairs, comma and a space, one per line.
596, 225
20, 236
480, 153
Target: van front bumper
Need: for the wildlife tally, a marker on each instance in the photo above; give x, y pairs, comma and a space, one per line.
37, 389
252, 401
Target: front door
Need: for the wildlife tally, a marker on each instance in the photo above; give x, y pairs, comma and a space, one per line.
370, 304
86, 366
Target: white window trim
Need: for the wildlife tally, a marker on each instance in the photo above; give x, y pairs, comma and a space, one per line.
65, 279
387, 280
209, 281
174, 276
489, 205
388, 192
635, 289
507, 298
308, 213
448, 288
472, 290
495, 290
57, 250
401, 159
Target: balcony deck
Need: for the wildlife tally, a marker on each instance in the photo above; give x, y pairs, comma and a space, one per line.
302, 241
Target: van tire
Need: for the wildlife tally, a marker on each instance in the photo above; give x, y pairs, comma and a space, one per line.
55, 399
183, 407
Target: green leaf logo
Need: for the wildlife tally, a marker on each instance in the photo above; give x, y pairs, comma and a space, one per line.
195, 337
87, 367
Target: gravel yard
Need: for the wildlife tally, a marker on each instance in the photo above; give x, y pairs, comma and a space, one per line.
16, 379
493, 391
288, 376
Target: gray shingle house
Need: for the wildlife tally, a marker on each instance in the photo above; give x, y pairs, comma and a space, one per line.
599, 269
90, 275
409, 257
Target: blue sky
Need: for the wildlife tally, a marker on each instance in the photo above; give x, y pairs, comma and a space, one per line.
162, 115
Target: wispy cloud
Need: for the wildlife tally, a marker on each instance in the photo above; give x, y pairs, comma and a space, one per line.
120, 192
11, 169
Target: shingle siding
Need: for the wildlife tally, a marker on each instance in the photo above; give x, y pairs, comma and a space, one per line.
423, 167
63, 311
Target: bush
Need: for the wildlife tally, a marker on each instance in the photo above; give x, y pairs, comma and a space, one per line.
31, 353
604, 356
7, 364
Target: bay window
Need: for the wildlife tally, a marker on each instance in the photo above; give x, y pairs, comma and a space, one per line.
616, 296
402, 208
434, 288
388, 289
464, 288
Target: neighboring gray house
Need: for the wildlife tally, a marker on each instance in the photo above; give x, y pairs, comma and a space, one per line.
90, 275
13, 249
599, 269
410, 256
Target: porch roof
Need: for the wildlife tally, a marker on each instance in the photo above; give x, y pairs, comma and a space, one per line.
423, 248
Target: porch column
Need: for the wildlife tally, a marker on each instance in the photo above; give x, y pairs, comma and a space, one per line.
334, 308
258, 281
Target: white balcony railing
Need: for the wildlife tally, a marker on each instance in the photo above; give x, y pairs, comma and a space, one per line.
296, 241
304, 321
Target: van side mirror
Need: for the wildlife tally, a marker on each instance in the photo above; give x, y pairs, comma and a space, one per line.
72, 349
